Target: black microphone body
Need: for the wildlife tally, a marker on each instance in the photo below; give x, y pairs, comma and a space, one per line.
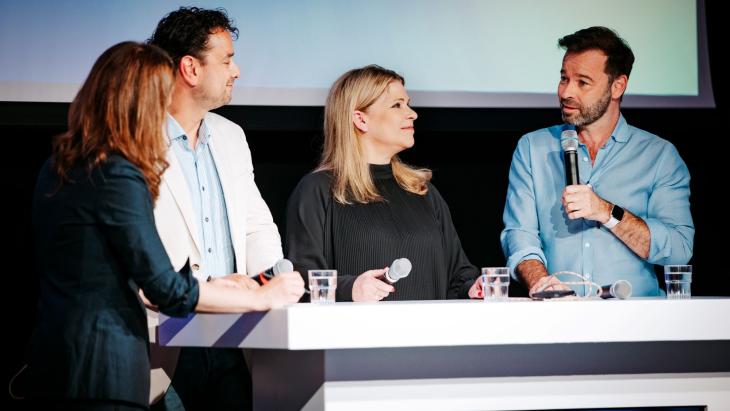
281, 266
569, 142
571, 168
621, 289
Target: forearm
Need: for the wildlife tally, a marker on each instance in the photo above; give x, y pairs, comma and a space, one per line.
221, 299
531, 271
634, 232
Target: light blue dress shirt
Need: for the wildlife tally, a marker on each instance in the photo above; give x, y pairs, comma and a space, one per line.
636, 170
206, 193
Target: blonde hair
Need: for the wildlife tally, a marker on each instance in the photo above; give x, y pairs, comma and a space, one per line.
120, 109
342, 154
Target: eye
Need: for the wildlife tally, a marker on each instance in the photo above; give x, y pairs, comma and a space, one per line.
563, 79
396, 105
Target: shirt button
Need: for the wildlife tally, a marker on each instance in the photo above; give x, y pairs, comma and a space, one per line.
202, 188
588, 245
206, 219
195, 267
585, 158
210, 250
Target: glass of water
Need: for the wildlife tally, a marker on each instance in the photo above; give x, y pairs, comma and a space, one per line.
678, 279
322, 285
495, 283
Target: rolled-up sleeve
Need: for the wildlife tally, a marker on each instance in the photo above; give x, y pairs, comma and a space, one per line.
521, 237
668, 214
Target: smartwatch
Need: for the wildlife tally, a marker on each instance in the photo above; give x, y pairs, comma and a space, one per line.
617, 213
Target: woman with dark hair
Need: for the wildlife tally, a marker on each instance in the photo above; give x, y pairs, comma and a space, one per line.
97, 245
362, 208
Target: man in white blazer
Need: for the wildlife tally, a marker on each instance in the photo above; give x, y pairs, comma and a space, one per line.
209, 213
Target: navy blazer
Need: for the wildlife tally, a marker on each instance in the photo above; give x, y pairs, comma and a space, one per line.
96, 246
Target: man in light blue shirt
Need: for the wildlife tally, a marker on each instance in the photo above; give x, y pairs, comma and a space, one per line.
631, 208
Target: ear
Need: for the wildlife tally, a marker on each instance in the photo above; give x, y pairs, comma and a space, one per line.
360, 120
618, 87
188, 70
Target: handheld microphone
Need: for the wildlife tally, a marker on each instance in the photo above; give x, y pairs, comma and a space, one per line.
569, 142
400, 268
281, 266
621, 289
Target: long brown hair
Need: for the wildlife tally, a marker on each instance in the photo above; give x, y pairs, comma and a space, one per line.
120, 109
342, 154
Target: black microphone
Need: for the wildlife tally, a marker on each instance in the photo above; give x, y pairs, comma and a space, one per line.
569, 142
621, 289
400, 268
281, 266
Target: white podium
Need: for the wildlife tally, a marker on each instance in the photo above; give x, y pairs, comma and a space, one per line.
511, 355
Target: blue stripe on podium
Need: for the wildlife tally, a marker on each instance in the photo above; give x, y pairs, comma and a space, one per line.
171, 327
240, 329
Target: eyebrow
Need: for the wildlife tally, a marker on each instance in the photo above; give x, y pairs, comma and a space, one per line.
403, 100
580, 76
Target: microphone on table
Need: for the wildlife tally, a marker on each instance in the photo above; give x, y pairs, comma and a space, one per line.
621, 289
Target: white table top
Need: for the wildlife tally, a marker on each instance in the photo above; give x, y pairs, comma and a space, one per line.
455, 323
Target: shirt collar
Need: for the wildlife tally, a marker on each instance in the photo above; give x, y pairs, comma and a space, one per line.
621, 131
176, 132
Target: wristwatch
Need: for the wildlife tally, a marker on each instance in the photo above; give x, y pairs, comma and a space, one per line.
617, 213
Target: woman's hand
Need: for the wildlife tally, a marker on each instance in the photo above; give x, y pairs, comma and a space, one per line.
368, 287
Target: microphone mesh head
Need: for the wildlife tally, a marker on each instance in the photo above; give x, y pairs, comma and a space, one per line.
283, 266
621, 289
569, 140
400, 269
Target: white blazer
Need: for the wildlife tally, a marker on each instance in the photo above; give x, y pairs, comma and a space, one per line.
255, 238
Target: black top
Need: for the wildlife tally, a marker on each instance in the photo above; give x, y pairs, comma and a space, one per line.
96, 245
322, 233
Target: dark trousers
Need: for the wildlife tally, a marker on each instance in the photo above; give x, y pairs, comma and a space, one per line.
209, 379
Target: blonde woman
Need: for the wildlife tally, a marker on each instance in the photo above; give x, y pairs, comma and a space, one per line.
363, 207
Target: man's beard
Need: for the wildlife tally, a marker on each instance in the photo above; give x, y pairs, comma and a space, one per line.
588, 115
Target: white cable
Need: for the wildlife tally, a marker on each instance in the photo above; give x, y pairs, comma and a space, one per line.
12, 380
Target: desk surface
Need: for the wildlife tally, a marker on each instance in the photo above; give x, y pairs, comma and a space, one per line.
454, 323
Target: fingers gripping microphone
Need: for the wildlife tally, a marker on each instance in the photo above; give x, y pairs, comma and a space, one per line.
569, 142
281, 266
621, 289
399, 269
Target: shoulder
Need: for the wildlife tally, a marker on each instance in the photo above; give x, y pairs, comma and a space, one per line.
222, 125
652, 149
649, 141
120, 182
118, 167
546, 138
315, 184
435, 198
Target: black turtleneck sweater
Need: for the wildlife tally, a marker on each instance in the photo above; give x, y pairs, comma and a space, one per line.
322, 233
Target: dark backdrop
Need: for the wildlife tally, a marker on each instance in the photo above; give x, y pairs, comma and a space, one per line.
469, 151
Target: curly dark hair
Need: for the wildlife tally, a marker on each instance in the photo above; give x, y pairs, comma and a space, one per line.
184, 32
620, 57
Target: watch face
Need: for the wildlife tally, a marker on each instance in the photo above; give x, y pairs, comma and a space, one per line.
617, 212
